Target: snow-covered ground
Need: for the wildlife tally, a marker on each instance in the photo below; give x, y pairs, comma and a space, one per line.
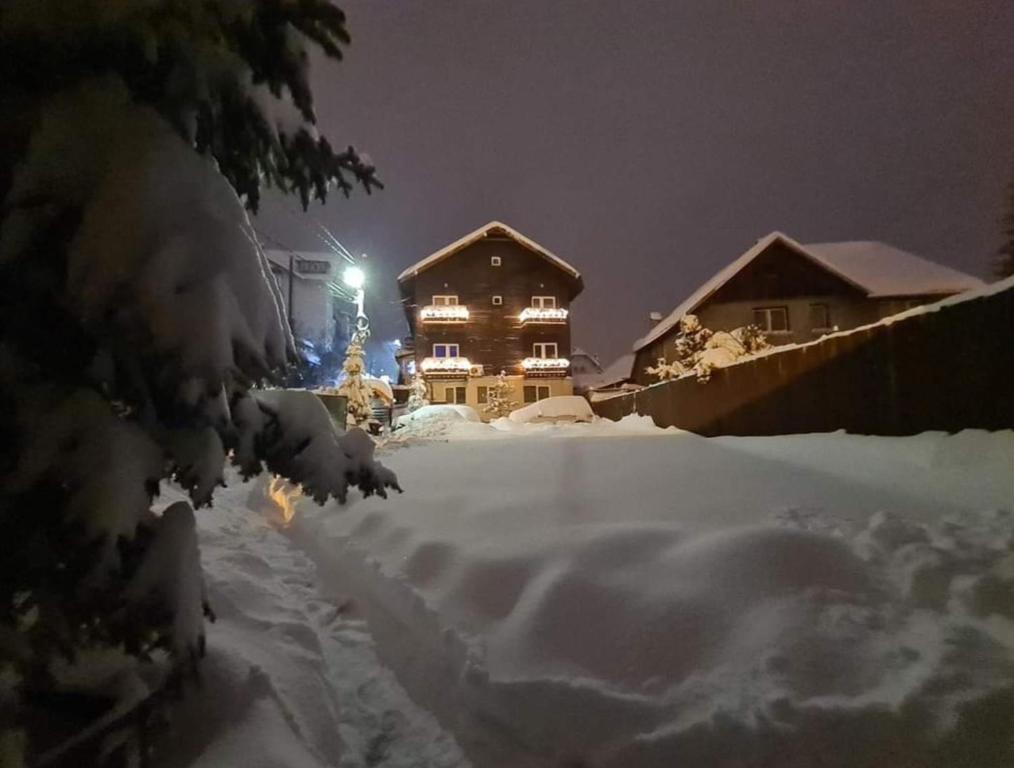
291, 678
617, 595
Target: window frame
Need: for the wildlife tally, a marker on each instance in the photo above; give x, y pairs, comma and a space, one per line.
495, 261
544, 345
445, 302
497, 300
482, 394
539, 302
447, 348
827, 324
768, 314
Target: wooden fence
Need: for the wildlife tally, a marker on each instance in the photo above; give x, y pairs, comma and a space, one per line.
948, 369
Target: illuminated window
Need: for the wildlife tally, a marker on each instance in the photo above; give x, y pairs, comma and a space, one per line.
544, 302
454, 395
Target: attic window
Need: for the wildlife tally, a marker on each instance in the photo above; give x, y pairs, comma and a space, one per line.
498, 301
494, 261
772, 319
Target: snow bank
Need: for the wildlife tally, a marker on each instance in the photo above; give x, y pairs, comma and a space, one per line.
562, 408
291, 676
622, 602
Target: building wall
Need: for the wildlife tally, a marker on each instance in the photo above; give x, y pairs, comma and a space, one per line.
492, 337
316, 311
438, 386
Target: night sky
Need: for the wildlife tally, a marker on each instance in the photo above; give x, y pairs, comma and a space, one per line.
650, 143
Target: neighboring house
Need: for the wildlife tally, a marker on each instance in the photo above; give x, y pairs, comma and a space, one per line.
493, 300
797, 293
585, 369
318, 314
615, 379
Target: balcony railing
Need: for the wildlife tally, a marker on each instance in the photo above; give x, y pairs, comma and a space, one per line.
545, 364
457, 365
444, 313
543, 315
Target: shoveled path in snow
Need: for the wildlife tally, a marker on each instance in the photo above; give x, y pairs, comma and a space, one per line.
292, 677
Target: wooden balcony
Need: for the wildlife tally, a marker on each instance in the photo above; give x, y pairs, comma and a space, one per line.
449, 366
546, 366
543, 316
444, 313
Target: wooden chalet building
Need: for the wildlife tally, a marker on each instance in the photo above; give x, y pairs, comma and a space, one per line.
492, 301
796, 293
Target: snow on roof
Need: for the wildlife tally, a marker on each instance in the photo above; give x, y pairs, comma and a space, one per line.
578, 352
884, 270
617, 372
874, 268
484, 231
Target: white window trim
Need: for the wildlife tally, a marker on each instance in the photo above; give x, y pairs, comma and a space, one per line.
766, 328
543, 302
445, 300
447, 348
544, 347
498, 301
495, 261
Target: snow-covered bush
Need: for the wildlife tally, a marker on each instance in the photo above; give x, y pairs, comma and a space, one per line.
139, 314
699, 350
356, 391
498, 398
418, 394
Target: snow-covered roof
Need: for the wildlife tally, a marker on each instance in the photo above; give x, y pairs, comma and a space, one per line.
617, 372
884, 270
578, 352
874, 268
492, 228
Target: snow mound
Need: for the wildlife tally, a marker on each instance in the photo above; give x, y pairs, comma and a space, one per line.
562, 408
440, 413
694, 618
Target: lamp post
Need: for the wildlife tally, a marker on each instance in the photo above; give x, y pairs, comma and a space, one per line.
355, 278
356, 391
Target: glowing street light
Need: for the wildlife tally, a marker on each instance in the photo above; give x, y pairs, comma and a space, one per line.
354, 277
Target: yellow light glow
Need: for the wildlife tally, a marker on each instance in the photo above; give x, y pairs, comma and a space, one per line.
285, 495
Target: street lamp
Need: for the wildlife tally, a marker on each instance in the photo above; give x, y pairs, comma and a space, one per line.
355, 278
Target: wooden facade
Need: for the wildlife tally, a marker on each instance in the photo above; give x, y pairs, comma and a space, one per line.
495, 278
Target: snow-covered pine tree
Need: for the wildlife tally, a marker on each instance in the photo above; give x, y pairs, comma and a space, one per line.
139, 316
498, 397
1005, 258
418, 394
357, 392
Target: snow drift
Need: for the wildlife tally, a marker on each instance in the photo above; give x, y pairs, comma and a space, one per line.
739, 608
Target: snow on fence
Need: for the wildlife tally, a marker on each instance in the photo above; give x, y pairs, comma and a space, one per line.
947, 366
